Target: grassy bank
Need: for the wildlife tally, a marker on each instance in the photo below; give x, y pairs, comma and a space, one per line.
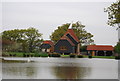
22, 54
86, 56
41, 54
65, 56
107, 57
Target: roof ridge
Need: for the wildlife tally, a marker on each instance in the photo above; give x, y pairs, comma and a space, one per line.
71, 32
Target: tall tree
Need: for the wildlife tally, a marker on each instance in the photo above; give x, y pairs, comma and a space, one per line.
81, 33
114, 15
25, 38
32, 37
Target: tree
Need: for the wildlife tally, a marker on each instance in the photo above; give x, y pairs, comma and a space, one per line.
81, 33
114, 15
25, 39
117, 48
32, 37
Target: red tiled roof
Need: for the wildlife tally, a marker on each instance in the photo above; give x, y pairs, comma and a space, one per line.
100, 47
48, 42
71, 32
66, 38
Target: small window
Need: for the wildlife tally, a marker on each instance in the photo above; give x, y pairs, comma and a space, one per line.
63, 48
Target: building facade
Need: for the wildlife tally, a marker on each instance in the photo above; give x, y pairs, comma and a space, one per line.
68, 43
47, 46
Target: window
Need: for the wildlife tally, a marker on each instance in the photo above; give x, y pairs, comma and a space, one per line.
63, 48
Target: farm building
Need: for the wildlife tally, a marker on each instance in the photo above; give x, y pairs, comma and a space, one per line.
47, 46
100, 50
68, 43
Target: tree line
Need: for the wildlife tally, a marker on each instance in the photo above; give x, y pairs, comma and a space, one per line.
29, 40
21, 40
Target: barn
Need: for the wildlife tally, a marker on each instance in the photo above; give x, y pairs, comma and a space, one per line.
47, 46
68, 43
100, 50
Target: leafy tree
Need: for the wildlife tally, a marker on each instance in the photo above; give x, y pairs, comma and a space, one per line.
81, 33
114, 15
25, 39
32, 37
83, 48
117, 48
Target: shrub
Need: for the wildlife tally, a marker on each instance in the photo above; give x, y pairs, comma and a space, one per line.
36, 55
50, 55
117, 57
89, 56
79, 56
27, 54
44, 55
55, 55
24, 55
72, 55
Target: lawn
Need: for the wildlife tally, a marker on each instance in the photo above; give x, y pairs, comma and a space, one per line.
21, 54
107, 57
65, 56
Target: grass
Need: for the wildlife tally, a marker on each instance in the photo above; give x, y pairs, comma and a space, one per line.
65, 56
107, 57
22, 54
18, 54
41, 54
85, 56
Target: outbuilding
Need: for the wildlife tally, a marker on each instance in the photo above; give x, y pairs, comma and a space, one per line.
100, 50
47, 46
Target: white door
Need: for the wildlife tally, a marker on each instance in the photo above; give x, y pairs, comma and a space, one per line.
48, 50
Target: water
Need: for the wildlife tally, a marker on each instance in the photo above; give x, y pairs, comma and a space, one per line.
60, 68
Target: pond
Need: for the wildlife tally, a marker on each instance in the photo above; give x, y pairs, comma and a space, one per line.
60, 68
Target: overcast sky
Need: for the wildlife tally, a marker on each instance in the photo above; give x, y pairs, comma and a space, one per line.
47, 16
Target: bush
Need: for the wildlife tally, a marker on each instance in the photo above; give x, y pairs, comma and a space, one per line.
36, 55
27, 54
50, 55
117, 48
44, 55
90, 56
24, 55
79, 56
117, 57
72, 55
54, 55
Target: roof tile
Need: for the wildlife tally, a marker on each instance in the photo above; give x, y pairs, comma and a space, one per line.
100, 47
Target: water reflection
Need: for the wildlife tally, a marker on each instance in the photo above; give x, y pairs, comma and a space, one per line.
59, 68
71, 72
18, 70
